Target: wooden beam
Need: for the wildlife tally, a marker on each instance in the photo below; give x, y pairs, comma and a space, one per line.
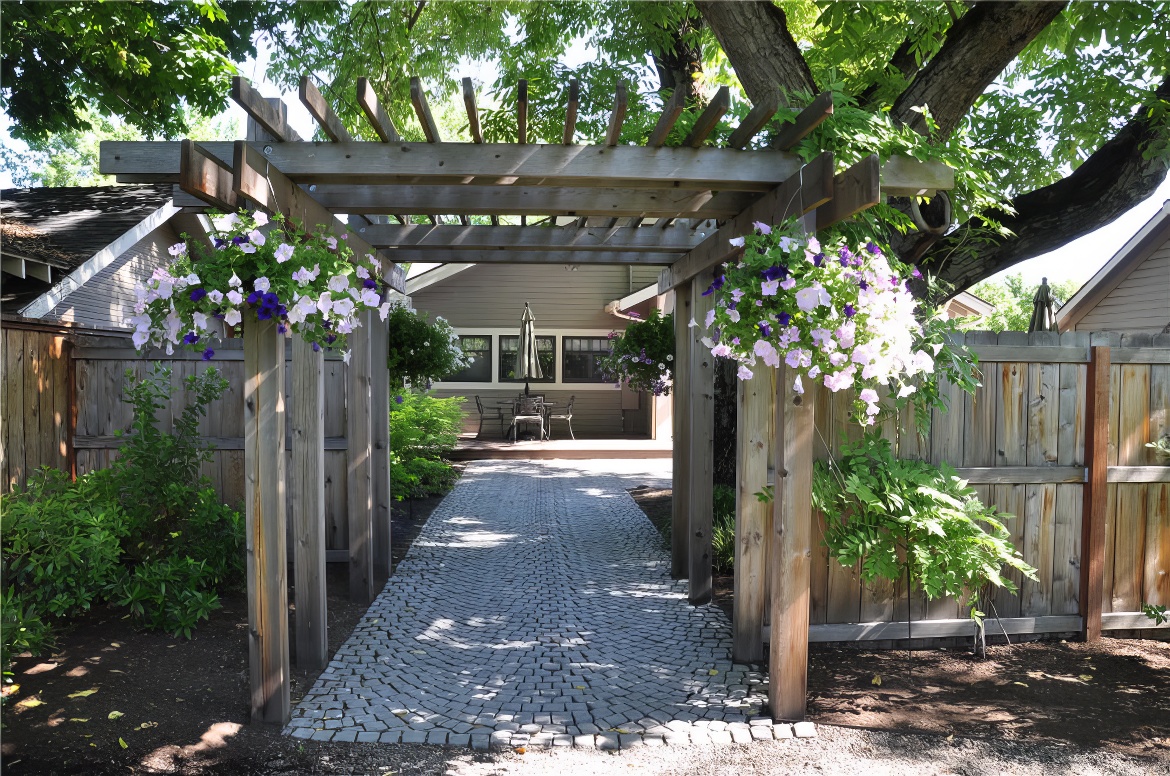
422, 109
472, 111
571, 112
790, 552
854, 190
205, 176
267, 553
377, 117
522, 111
618, 117
670, 113
1022, 475
936, 629
264, 184
1093, 509
488, 165
380, 397
806, 121
501, 238
319, 109
678, 238
270, 117
531, 200
490, 256
803, 191
709, 118
307, 482
754, 121
1139, 474
358, 481
754, 438
681, 434
902, 176
700, 484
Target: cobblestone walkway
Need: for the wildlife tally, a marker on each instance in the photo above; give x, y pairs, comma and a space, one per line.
536, 608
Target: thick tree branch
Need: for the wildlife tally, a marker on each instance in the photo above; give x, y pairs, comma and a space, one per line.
903, 62
1117, 176
979, 46
681, 66
756, 39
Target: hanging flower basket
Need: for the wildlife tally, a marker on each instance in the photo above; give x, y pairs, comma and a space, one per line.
835, 314
643, 355
311, 284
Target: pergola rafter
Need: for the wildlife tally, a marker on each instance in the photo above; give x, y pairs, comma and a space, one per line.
577, 203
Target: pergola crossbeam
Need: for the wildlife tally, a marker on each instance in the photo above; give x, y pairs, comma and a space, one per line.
505, 256
319, 109
375, 114
530, 238
422, 109
670, 113
522, 112
756, 119
806, 121
618, 117
709, 118
206, 177
271, 117
571, 112
472, 111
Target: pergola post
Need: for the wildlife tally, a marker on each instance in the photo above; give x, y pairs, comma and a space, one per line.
702, 455
358, 472
753, 517
380, 448
791, 551
267, 558
307, 481
681, 433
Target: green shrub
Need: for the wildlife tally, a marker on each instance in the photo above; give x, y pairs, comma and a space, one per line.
148, 533
892, 515
420, 351
423, 429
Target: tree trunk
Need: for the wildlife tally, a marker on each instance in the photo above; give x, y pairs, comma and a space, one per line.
726, 402
978, 47
683, 64
756, 39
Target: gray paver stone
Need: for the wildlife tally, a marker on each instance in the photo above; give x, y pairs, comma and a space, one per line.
458, 739
782, 731
804, 730
414, 736
584, 742
740, 735
607, 741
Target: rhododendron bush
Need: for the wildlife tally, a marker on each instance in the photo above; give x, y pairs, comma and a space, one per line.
841, 315
311, 284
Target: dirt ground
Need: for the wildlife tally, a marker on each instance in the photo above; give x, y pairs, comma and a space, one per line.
1114, 695
111, 699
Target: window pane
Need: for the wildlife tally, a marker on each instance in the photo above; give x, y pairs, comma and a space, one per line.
546, 352
478, 349
582, 355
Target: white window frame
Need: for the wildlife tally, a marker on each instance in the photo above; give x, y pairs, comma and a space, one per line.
557, 385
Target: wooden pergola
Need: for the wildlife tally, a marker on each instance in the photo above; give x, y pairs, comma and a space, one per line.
576, 203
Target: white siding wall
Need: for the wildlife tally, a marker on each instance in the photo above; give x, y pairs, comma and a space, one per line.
1141, 302
108, 298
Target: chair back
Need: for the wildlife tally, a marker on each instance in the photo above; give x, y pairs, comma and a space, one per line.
530, 405
569, 409
479, 405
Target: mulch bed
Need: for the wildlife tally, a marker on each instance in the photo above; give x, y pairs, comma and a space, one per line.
1113, 695
179, 706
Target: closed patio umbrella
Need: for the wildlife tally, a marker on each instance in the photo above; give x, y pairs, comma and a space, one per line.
1043, 318
527, 362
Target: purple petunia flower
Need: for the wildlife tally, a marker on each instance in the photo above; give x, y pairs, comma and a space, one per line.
844, 261
863, 285
219, 243
281, 328
253, 297
264, 314
716, 284
784, 319
316, 347
775, 272
399, 400
872, 248
207, 354
191, 338
369, 283
818, 260
914, 273
239, 240
331, 339
765, 329
849, 311
198, 294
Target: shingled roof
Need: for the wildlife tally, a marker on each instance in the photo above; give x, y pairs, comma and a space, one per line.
62, 227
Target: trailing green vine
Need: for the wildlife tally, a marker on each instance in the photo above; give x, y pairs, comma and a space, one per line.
890, 516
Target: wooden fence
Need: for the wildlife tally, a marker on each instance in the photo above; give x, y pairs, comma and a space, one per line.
37, 401
1021, 441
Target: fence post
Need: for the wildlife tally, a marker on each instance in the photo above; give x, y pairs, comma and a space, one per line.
791, 551
702, 458
1095, 490
380, 448
358, 482
753, 439
308, 503
681, 432
267, 557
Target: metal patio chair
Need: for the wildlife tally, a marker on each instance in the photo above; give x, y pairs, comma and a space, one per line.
491, 413
528, 410
566, 416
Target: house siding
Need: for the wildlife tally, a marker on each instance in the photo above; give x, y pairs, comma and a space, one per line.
107, 299
492, 297
1139, 303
